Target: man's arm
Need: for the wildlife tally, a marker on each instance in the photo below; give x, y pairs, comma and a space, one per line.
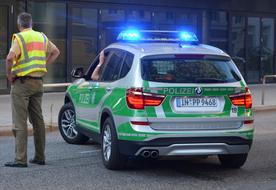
9, 62
96, 72
53, 53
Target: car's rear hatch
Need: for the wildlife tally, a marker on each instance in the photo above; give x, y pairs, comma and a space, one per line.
196, 92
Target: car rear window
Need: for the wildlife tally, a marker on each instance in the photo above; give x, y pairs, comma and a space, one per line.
193, 69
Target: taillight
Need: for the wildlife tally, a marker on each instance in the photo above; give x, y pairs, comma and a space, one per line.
139, 122
137, 99
242, 99
248, 121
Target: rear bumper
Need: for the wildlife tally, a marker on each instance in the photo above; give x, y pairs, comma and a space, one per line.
187, 146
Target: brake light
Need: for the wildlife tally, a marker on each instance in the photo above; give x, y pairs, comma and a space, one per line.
139, 122
242, 99
137, 99
248, 121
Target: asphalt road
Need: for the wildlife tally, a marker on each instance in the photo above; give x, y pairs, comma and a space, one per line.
80, 167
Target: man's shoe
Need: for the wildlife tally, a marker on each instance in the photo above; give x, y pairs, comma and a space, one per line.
34, 161
15, 164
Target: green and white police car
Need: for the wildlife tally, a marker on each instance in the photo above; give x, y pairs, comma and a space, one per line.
161, 94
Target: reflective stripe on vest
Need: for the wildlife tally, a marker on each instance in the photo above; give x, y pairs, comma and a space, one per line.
33, 46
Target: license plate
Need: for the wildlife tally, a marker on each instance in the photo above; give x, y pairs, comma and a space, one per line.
196, 102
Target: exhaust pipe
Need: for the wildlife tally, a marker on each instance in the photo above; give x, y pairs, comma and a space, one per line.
146, 154
154, 154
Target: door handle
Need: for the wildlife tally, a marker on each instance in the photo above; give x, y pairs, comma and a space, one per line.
108, 89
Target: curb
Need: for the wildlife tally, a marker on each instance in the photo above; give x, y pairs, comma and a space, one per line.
8, 131
263, 108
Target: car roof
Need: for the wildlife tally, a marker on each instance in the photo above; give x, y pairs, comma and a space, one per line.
167, 48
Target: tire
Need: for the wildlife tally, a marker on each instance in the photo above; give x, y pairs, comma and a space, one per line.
67, 125
233, 161
111, 156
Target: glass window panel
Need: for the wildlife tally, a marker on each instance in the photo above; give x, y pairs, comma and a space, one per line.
267, 46
113, 66
127, 64
50, 18
218, 29
112, 23
164, 20
84, 36
253, 50
112, 15
3, 45
139, 18
187, 21
238, 42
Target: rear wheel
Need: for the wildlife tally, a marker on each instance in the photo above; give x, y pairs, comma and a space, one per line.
67, 125
232, 160
111, 156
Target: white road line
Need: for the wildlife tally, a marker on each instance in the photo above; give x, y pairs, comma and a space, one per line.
89, 151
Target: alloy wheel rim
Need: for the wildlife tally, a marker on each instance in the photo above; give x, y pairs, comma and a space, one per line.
107, 142
68, 123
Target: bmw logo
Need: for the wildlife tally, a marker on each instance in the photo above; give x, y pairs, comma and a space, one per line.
198, 90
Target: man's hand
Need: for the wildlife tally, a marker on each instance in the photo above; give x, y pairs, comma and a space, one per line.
10, 78
9, 61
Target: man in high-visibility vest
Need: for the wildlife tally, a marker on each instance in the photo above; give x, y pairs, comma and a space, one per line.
26, 64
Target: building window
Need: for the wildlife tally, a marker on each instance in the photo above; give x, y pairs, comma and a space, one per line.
84, 30
218, 29
238, 42
164, 20
3, 45
112, 21
139, 18
50, 18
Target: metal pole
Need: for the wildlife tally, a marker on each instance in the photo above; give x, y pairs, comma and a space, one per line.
56, 85
263, 89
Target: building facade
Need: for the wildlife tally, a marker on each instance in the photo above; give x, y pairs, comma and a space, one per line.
245, 29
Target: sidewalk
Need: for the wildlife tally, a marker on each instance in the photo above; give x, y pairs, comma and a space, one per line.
52, 103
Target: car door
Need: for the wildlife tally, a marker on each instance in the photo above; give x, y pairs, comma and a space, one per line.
86, 99
93, 93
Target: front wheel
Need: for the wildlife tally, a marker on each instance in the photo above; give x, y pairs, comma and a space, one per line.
111, 156
67, 125
234, 161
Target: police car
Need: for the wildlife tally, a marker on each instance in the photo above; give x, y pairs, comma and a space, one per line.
161, 94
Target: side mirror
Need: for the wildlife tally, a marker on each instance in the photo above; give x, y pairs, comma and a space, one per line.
77, 72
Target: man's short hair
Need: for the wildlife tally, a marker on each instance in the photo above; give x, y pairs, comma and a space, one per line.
24, 20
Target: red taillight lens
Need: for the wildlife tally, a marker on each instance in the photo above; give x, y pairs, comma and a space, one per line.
134, 98
137, 99
248, 121
243, 99
139, 122
151, 99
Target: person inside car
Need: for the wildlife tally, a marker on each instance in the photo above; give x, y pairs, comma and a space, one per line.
98, 70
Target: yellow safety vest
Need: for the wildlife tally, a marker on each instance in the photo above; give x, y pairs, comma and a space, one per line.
33, 47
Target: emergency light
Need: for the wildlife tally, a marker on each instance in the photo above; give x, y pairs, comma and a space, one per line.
157, 36
129, 35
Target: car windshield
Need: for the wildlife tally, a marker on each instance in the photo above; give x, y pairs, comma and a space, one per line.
189, 70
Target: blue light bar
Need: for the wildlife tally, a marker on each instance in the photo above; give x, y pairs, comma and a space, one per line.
129, 35
188, 37
157, 36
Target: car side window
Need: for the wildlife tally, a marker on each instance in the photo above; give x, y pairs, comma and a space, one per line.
127, 64
112, 68
94, 64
